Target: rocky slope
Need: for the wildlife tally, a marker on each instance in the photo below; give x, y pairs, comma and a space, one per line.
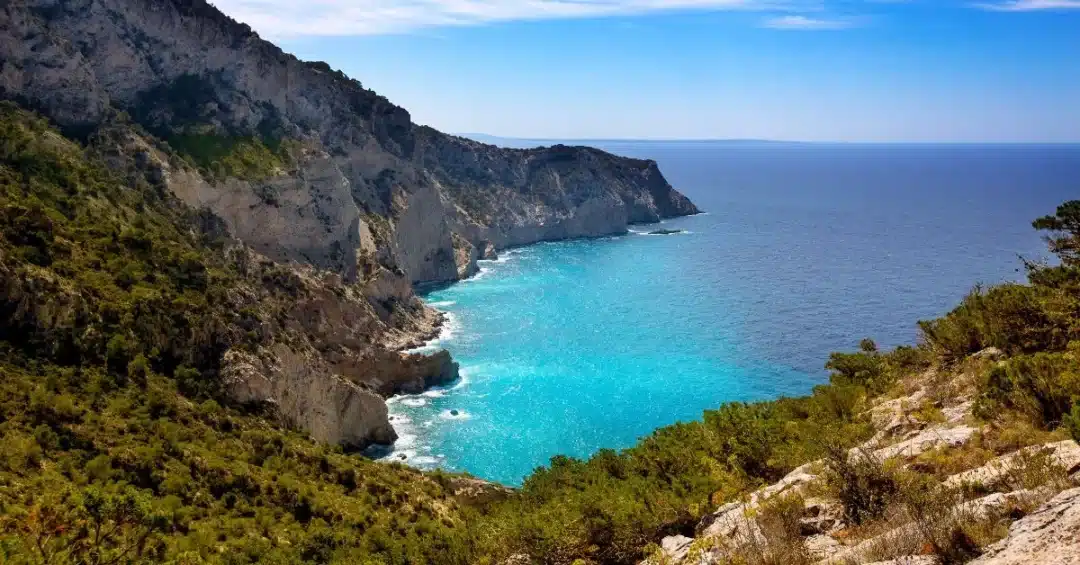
1027, 495
307, 168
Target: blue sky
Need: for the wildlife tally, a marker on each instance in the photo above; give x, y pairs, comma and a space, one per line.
854, 70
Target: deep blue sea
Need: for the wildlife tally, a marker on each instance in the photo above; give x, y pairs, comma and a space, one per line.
570, 347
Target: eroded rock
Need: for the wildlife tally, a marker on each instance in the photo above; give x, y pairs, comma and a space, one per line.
1048, 536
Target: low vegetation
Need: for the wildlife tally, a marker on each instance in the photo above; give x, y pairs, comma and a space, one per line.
118, 447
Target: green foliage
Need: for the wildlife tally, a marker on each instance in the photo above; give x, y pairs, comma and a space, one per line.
1072, 421
1016, 318
143, 473
247, 158
861, 483
1064, 228
1043, 386
114, 316
100, 271
1011, 317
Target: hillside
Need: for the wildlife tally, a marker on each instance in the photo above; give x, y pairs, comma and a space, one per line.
314, 173
207, 257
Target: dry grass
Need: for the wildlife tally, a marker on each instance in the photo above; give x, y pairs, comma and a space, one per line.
942, 462
1012, 432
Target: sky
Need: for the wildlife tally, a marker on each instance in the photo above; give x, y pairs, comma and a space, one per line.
809, 70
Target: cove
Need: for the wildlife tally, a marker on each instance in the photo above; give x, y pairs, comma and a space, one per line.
570, 347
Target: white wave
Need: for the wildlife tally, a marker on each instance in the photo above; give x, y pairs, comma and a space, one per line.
399, 419
405, 441
463, 380
402, 456
504, 257
483, 272
442, 304
449, 328
414, 402
425, 460
434, 393
449, 415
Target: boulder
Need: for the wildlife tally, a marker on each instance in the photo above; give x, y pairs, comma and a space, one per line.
926, 440
1048, 536
675, 548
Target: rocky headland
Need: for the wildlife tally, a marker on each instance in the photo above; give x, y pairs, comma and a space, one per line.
307, 169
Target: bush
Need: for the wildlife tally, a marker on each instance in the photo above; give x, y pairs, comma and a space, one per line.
861, 483
1042, 386
1072, 422
1010, 317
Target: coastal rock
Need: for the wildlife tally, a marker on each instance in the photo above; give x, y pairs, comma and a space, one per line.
908, 538
488, 252
388, 372
1048, 536
465, 257
665, 232
820, 516
991, 353
330, 408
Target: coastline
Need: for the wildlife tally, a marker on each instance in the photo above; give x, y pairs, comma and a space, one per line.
409, 448
422, 339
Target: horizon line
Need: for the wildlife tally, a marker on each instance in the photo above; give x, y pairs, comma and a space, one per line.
734, 140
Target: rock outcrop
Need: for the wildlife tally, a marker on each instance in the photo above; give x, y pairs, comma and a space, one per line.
341, 181
1049, 536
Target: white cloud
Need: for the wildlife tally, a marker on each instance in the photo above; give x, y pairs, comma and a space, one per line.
1030, 5
278, 18
806, 23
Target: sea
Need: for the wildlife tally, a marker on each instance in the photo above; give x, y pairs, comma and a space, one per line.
802, 249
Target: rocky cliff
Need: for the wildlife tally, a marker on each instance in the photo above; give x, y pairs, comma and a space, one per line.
368, 189
307, 168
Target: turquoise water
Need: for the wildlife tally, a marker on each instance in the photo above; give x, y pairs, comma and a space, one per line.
570, 347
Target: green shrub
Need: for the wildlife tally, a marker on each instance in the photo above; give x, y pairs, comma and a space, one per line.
1042, 386
1010, 317
1072, 421
861, 483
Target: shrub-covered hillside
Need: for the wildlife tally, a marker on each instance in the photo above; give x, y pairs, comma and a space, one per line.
117, 446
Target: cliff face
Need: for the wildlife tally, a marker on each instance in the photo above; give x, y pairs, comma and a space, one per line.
181, 67
302, 164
